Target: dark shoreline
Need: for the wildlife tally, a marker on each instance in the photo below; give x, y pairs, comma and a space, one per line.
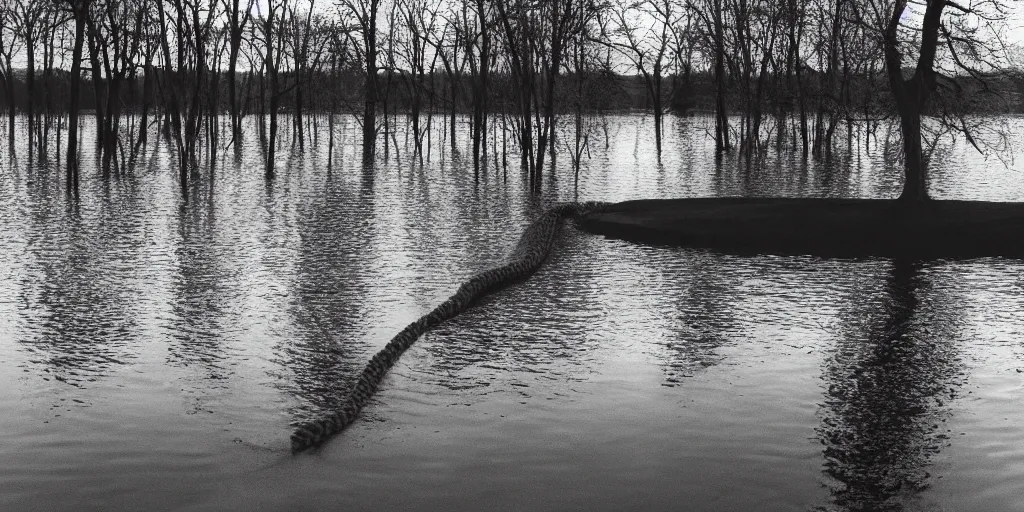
849, 228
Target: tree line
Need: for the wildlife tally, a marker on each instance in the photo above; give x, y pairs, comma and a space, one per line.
782, 74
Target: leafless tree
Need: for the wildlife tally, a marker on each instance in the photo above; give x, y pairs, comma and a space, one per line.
32, 21
644, 33
536, 35
118, 30
944, 42
238, 15
272, 38
365, 13
10, 44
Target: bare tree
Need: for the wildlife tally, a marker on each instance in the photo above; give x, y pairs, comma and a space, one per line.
419, 22
645, 34
476, 25
173, 86
272, 38
365, 14
31, 23
80, 12
308, 52
536, 37
118, 41
446, 46
710, 15
150, 37
961, 40
10, 45
237, 17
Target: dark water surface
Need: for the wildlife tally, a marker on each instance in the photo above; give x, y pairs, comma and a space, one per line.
154, 353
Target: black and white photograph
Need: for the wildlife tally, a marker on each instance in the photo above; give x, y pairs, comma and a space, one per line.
512, 255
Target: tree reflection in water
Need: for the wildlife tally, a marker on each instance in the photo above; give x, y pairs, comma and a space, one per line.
78, 301
704, 317
200, 293
322, 361
888, 389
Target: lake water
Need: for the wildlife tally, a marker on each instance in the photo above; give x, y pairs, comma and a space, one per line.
153, 353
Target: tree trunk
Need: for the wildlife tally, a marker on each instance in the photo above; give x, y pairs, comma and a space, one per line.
297, 119
274, 98
30, 86
370, 100
111, 125
147, 95
97, 83
172, 88
75, 93
914, 165
911, 95
658, 110
721, 117
11, 111
236, 123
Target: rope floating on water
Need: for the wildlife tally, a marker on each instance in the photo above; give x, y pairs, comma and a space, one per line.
531, 251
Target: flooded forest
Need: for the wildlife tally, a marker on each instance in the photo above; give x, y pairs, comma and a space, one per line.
214, 213
530, 80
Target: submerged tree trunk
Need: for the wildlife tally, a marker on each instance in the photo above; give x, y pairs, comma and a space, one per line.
11, 112
30, 86
97, 81
274, 96
75, 93
911, 95
147, 95
914, 166
480, 93
236, 23
370, 99
721, 117
172, 87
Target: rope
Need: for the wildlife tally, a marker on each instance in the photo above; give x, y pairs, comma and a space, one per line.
533, 248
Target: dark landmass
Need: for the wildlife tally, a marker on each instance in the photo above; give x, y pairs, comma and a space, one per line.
603, 92
820, 227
